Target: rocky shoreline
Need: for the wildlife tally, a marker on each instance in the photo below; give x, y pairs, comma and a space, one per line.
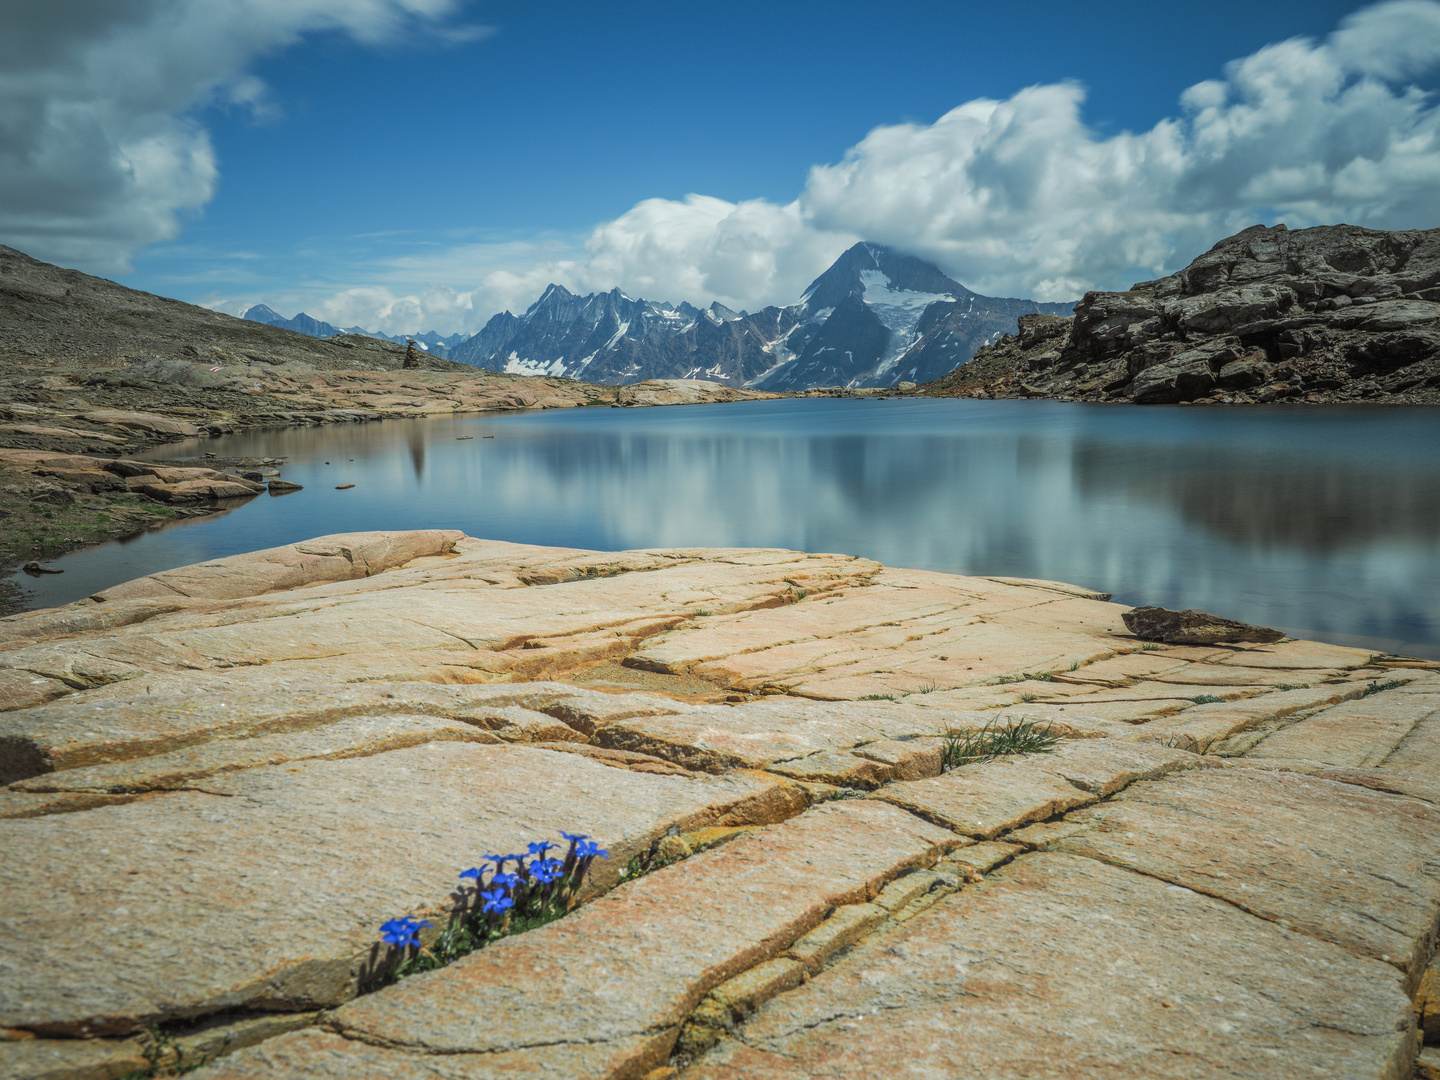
65, 439
1328, 315
90, 369
221, 779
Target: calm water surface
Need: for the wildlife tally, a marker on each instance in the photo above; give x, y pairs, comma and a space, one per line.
1322, 521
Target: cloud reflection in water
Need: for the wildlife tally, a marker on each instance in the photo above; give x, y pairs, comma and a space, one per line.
1324, 522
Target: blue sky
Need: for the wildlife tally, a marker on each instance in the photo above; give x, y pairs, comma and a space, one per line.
409, 164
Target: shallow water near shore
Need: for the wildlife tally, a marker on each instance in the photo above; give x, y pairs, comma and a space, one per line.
1322, 521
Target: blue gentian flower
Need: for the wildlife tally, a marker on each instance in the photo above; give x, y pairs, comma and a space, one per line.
402, 933
504, 881
474, 872
496, 901
546, 870
588, 849
540, 847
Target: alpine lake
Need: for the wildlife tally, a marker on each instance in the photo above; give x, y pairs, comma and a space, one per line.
1322, 521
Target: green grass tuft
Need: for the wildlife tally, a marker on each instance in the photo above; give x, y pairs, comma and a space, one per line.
1206, 699
996, 740
1378, 687
878, 697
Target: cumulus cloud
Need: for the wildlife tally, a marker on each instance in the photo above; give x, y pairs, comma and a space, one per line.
100, 153
706, 247
1020, 197
1017, 197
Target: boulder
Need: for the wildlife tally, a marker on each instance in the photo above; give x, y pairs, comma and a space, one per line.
1181, 378
198, 490
1109, 323
1224, 311
127, 468
1191, 627
1252, 369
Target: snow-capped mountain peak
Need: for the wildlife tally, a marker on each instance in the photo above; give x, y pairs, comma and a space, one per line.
874, 318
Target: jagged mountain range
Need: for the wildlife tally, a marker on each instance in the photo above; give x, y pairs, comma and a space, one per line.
877, 317
433, 343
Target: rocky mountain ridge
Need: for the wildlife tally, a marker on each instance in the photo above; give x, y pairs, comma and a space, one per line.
875, 318
1330, 313
53, 319
431, 342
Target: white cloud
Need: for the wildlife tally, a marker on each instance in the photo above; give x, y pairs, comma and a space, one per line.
1021, 198
1012, 197
737, 253
99, 155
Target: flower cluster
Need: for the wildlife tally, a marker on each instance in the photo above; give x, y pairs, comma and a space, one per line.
402, 933
504, 894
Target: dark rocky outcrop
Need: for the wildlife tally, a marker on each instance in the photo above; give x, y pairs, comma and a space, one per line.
1191, 627
1332, 313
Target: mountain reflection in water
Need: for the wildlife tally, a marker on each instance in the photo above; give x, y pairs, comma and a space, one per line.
1322, 521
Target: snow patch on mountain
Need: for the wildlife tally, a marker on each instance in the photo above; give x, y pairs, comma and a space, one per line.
897, 309
874, 318
516, 366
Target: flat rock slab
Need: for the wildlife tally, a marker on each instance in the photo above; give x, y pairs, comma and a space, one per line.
1355, 735
357, 737
126, 722
854, 743
330, 558
71, 1059
1340, 862
220, 806
1208, 724
987, 799
324, 1056
1298, 655
1062, 966
364, 607
1418, 751
631, 965
266, 889
768, 733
